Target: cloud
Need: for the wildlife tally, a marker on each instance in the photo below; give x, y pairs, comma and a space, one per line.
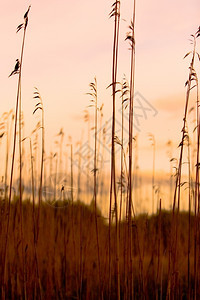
171, 104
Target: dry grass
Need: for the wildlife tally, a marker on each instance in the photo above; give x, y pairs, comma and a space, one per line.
66, 270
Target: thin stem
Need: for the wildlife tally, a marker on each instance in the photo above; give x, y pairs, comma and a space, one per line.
13, 160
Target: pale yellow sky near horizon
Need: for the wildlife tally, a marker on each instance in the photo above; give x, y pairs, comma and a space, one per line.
70, 42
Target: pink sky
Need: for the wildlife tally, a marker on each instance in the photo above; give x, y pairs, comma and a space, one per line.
69, 42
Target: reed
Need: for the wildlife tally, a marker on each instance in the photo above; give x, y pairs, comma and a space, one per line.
17, 70
64, 249
39, 106
153, 144
131, 37
173, 279
115, 12
93, 94
87, 119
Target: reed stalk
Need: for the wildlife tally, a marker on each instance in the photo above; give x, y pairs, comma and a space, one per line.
8, 137
116, 14
131, 38
19, 71
39, 106
173, 279
152, 139
94, 103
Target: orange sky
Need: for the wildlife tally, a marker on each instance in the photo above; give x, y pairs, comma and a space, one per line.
69, 42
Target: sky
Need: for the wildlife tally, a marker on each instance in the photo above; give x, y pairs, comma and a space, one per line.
70, 42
